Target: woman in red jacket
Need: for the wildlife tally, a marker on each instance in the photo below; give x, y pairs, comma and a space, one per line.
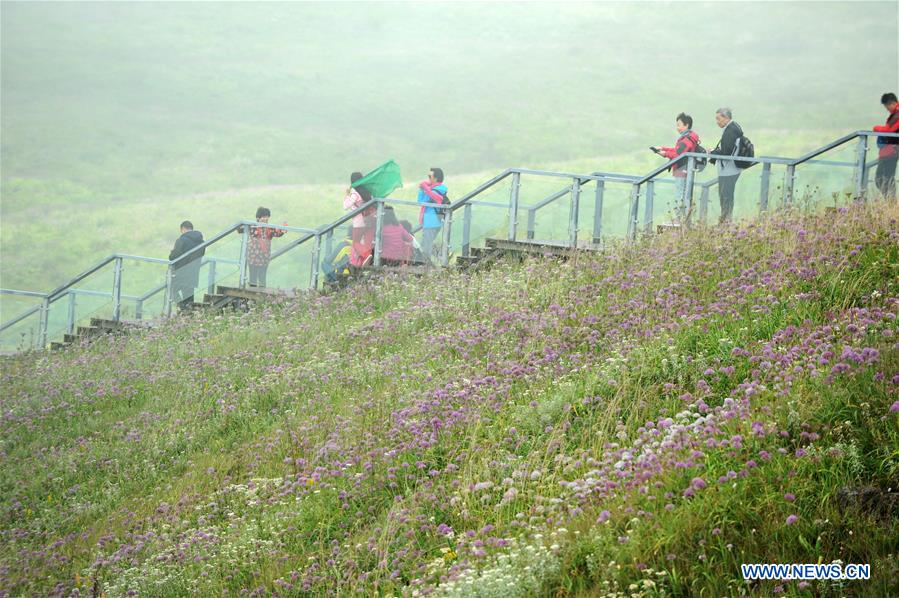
687, 141
885, 177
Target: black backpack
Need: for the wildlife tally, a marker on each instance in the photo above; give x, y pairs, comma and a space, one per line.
446, 202
747, 150
700, 162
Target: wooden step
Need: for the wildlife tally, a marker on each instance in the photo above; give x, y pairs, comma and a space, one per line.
410, 270
554, 248
668, 227
90, 331
106, 324
250, 292
54, 346
69, 338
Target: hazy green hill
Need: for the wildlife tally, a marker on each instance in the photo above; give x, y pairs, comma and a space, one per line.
135, 99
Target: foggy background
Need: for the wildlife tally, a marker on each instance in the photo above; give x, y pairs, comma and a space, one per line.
113, 114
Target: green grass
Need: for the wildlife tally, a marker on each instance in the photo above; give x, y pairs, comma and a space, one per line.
113, 467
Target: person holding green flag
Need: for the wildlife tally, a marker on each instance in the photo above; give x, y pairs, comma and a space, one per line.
380, 182
363, 222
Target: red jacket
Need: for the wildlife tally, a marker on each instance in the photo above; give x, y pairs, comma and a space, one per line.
396, 243
685, 143
260, 249
892, 126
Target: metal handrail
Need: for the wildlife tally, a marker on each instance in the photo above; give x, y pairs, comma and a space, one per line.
20, 317
763, 159
464, 203
22, 293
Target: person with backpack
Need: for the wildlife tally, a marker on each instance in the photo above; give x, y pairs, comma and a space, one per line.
432, 190
687, 141
259, 251
885, 176
336, 265
186, 268
728, 170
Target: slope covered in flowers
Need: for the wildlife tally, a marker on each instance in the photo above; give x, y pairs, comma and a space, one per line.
636, 423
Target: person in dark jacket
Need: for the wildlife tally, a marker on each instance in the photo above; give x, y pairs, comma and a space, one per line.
186, 271
728, 172
885, 176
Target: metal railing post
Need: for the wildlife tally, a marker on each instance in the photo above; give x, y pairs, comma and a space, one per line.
573, 212
210, 279
687, 200
648, 208
138, 309
704, 204
44, 323
633, 210
117, 290
316, 250
70, 316
242, 263
532, 223
447, 235
597, 212
169, 290
379, 233
789, 180
763, 191
513, 205
466, 230
861, 177
329, 242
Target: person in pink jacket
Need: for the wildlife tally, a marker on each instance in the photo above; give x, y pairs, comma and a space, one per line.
396, 242
363, 223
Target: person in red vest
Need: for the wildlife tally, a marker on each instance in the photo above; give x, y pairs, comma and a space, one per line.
885, 176
687, 141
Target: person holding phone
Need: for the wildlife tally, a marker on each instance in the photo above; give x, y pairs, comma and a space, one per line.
687, 141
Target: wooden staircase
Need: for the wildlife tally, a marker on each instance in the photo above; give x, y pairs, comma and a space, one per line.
237, 298
484, 257
98, 327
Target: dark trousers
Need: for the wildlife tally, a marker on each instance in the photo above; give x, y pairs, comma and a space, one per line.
726, 187
885, 177
257, 275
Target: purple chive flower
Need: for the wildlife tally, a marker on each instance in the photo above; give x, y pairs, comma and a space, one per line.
789, 497
445, 530
698, 483
603, 517
894, 408
792, 519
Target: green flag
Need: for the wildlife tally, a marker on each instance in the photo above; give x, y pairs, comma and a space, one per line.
382, 180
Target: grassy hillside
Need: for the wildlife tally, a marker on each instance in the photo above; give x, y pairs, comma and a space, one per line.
639, 423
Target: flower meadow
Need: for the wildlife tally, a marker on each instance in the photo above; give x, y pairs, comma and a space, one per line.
635, 423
